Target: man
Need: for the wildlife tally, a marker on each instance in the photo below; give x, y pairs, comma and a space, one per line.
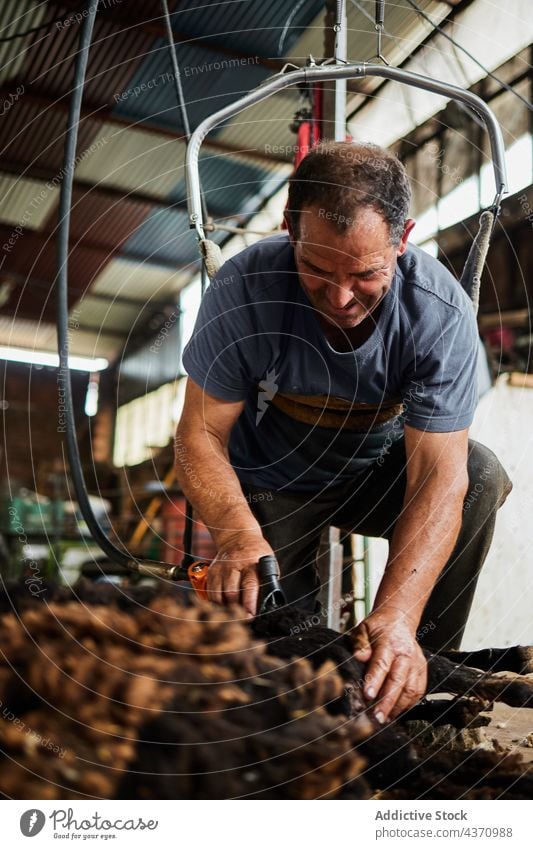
332, 380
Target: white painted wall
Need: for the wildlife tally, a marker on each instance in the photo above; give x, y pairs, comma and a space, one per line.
502, 611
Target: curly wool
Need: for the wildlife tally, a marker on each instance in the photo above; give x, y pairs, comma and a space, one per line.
182, 692
148, 696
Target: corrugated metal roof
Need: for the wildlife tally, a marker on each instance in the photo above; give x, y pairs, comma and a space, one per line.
83, 343
145, 10
116, 51
210, 80
134, 160
35, 255
267, 29
106, 315
25, 202
42, 336
404, 29
265, 127
232, 186
138, 280
24, 333
165, 235
32, 265
17, 16
102, 221
34, 135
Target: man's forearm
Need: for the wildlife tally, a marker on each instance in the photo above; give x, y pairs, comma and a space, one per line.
209, 482
422, 543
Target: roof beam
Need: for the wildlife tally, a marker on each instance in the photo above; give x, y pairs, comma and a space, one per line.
118, 253
101, 296
153, 307
32, 172
135, 256
104, 114
111, 193
122, 300
113, 332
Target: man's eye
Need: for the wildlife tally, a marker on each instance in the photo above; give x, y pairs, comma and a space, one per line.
368, 275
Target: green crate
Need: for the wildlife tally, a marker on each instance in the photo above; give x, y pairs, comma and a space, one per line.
25, 516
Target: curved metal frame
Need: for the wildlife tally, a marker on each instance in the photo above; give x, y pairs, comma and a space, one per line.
329, 73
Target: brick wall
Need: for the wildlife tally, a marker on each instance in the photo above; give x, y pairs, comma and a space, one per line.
31, 443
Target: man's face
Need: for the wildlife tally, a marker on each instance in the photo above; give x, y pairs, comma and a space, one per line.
346, 275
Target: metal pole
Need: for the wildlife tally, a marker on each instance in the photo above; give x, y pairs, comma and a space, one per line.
341, 47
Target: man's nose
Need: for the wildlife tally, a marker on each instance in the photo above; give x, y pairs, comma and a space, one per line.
339, 296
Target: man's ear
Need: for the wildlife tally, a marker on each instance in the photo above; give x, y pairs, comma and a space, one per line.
288, 225
402, 247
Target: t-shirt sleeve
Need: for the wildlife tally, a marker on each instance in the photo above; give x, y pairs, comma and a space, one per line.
440, 388
217, 357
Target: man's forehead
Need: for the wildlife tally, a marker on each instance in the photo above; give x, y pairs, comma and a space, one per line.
317, 252
354, 246
319, 225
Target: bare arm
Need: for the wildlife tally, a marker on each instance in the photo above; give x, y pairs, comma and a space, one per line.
423, 540
212, 487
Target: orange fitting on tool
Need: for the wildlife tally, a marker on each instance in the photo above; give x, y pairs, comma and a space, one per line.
197, 572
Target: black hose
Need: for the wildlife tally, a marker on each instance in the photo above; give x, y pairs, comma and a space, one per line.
147, 567
71, 140
188, 533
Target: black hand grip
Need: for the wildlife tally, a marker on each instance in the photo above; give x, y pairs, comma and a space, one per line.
271, 595
380, 13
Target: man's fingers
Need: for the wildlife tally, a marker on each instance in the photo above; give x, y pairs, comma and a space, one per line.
250, 591
362, 648
363, 655
377, 670
214, 584
393, 688
414, 689
410, 697
231, 587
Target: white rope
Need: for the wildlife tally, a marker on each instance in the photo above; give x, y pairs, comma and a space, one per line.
471, 276
212, 256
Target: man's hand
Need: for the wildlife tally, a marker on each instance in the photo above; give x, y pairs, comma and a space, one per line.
232, 577
421, 544
396, 672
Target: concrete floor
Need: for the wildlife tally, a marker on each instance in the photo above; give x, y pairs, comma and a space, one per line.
517, 725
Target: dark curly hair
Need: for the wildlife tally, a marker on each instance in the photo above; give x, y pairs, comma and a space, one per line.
344, 177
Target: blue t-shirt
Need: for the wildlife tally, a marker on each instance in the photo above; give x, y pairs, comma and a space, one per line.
258, 335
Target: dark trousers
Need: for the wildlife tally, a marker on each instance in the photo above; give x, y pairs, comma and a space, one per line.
370, 505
